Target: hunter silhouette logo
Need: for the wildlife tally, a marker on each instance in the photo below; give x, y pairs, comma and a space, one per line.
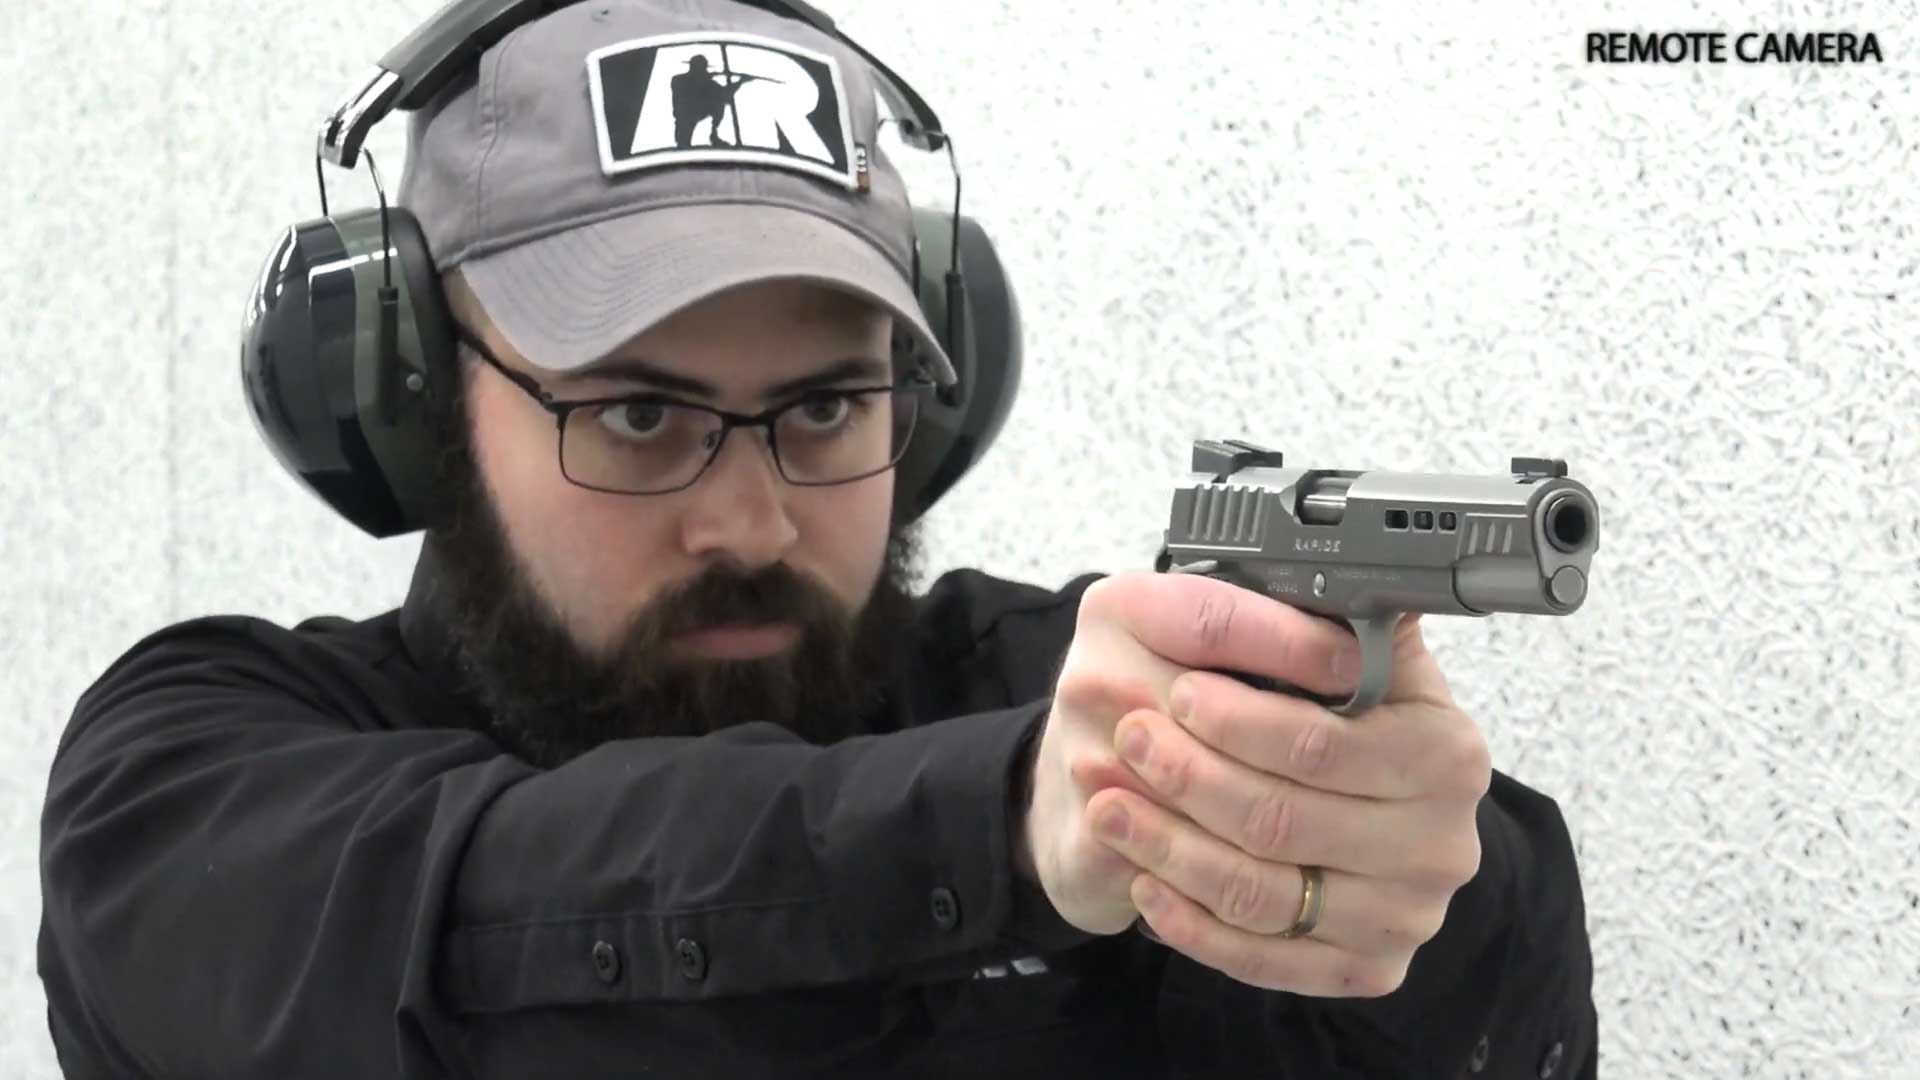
733, 99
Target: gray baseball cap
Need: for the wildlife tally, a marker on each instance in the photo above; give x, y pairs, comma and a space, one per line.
616, 161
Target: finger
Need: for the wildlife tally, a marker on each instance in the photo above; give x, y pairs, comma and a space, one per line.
1199, 622
1265, 897
1092, 772
1298, 965
1122, 674
1400, 751
1254, 815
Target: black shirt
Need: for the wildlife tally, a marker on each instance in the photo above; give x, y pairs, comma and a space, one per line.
282, 853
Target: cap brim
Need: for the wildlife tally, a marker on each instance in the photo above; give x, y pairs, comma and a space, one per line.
566, 300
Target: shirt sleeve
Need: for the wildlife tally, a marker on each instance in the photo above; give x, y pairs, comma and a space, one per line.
242, 879
1504, 990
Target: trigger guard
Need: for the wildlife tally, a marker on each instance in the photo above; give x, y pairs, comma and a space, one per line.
1376, 663
1376, 651
1376, 671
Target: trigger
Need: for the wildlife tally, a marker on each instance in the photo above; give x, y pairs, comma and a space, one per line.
1376, 663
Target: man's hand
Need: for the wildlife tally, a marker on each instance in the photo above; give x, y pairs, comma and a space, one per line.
1234, 789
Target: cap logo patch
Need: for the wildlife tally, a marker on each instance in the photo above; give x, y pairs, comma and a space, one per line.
722, 99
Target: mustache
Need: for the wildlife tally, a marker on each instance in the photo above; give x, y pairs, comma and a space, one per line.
725, 596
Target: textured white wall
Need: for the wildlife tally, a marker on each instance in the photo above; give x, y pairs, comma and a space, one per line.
1420, 236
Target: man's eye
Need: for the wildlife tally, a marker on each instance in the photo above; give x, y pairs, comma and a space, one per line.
825, 412
635, 419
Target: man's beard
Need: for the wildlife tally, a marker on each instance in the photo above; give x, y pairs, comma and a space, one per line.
548, 700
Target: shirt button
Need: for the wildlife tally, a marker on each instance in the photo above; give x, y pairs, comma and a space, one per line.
606, 962
946, 908
1480, 1051
1552, 1061
693, 959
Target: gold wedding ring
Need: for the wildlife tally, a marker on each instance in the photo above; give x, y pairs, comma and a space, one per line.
1313, 897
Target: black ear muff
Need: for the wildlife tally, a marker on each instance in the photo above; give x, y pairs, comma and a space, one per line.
954, 430
339, 352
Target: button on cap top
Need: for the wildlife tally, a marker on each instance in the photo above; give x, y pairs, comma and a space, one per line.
606, 962
946, 908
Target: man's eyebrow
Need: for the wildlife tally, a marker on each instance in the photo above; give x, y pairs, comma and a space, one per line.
632, 369
869, 370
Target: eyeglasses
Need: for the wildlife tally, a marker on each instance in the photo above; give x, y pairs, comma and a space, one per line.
650, 444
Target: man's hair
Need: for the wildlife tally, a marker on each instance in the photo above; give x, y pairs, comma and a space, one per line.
447, 409
461, 303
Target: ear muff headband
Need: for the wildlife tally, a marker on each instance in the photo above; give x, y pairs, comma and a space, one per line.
414, 71
347, 336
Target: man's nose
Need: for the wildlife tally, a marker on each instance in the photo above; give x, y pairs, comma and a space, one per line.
737, 508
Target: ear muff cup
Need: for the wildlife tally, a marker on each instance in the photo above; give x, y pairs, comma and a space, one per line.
952, 432
337, 368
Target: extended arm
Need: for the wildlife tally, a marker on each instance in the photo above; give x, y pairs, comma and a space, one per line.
242, 882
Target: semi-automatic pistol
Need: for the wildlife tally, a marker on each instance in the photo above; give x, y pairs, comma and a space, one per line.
1366, 547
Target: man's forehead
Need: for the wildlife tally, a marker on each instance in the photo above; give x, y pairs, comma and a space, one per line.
763, 379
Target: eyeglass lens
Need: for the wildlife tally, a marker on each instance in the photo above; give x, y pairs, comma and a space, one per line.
646, 446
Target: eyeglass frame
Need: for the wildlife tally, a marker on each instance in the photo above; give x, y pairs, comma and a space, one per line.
766, 418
